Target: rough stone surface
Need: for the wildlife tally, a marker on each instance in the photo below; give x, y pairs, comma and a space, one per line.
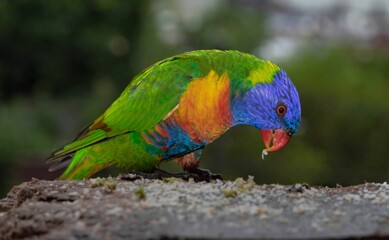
173, 209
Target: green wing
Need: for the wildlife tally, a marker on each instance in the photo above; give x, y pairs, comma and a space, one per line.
146, 100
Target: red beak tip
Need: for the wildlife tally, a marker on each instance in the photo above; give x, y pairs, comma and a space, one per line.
278, 138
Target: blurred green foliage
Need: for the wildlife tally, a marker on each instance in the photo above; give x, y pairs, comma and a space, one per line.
50, 47
63, 62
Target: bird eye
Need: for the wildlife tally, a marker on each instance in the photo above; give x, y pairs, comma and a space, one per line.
281, 110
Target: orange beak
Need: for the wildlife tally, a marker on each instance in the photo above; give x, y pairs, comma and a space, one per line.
278, 138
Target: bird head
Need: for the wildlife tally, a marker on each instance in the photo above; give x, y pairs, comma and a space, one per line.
274, 108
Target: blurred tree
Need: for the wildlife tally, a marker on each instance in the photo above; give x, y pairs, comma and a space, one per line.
235, 26
62, 47
58, 65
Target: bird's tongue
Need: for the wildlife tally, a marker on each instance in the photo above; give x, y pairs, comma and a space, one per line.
278, 138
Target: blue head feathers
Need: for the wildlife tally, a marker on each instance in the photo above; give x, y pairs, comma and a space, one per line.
274, 105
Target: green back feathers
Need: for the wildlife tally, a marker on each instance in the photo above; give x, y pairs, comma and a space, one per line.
151, 95
146, 100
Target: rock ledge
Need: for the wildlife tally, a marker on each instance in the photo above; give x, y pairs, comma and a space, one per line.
111, 208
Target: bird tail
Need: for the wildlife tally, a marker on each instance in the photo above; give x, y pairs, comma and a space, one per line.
84, 157
84, 164
80, 157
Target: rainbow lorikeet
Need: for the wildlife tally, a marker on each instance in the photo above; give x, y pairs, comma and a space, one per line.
174, 108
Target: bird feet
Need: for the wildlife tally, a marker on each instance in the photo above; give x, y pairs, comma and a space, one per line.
204, 175
198, 175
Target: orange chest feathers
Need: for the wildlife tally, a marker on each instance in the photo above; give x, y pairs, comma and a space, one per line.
204, 111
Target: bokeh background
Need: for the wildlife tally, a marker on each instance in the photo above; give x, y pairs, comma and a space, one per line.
63, 62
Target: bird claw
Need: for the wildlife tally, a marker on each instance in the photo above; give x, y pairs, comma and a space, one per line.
198, 175
204, 175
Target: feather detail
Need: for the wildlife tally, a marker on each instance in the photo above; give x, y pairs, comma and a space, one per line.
60, 163
171, 112
204, 110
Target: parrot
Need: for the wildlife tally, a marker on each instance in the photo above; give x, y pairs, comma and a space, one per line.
174, 108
